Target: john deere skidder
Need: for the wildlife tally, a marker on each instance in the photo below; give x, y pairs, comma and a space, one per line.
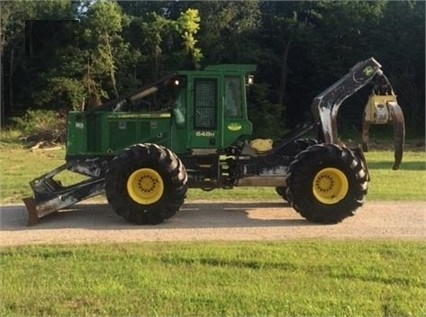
190, 130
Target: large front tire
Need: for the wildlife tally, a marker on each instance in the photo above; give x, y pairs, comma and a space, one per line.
327, 183
146, 184
293, 149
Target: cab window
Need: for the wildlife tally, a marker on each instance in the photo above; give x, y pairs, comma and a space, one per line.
205, 101
233, 106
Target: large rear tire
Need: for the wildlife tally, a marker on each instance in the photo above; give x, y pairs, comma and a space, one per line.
327, 183
146, 184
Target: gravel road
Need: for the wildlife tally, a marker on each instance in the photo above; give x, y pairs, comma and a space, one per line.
199, 220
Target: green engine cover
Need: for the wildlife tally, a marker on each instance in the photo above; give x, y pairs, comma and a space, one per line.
107, 133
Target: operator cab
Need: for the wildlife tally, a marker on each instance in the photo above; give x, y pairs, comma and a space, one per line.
211, 111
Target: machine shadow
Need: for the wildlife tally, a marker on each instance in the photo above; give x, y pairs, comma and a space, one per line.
191, 215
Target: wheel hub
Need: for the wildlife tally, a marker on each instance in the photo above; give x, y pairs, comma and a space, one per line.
330, 186
145, 186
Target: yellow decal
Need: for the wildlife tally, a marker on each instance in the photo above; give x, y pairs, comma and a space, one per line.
261, 145
234, 127
368, 71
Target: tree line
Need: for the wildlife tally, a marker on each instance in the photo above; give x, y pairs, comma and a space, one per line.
74, 55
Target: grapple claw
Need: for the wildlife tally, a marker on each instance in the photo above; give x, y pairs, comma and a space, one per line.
384, 109
398, 131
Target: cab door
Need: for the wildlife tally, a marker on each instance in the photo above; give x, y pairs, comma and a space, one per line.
205, 132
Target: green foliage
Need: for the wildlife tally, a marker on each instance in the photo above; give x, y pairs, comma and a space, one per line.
265, 116
293, 278
103, 27
66, 93
156, 30
300, 47
9, 138
104, 18
188, 23
38, 121
228, 30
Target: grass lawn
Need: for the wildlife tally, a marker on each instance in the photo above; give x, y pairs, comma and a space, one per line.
305, 278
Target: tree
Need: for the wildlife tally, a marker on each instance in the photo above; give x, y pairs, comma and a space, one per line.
226, 30
102, 31
82, 76
401, 49
285, 26
21, 64
188, 26
392, 32
166, 40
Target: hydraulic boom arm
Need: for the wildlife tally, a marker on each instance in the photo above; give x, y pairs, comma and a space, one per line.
326, 105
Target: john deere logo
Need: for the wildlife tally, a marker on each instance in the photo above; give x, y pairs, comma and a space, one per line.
234, 127
368, 71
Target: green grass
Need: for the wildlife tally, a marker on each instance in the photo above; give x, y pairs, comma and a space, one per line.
308, 278
18, 167
408, 183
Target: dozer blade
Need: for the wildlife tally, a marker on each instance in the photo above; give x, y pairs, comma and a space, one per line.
33, 215
61, 198
37, 211
50, 196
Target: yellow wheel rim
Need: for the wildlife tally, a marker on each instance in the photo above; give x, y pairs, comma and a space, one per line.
145, 186
330, 186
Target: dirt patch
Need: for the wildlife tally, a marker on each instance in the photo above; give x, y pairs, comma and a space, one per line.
97, 223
